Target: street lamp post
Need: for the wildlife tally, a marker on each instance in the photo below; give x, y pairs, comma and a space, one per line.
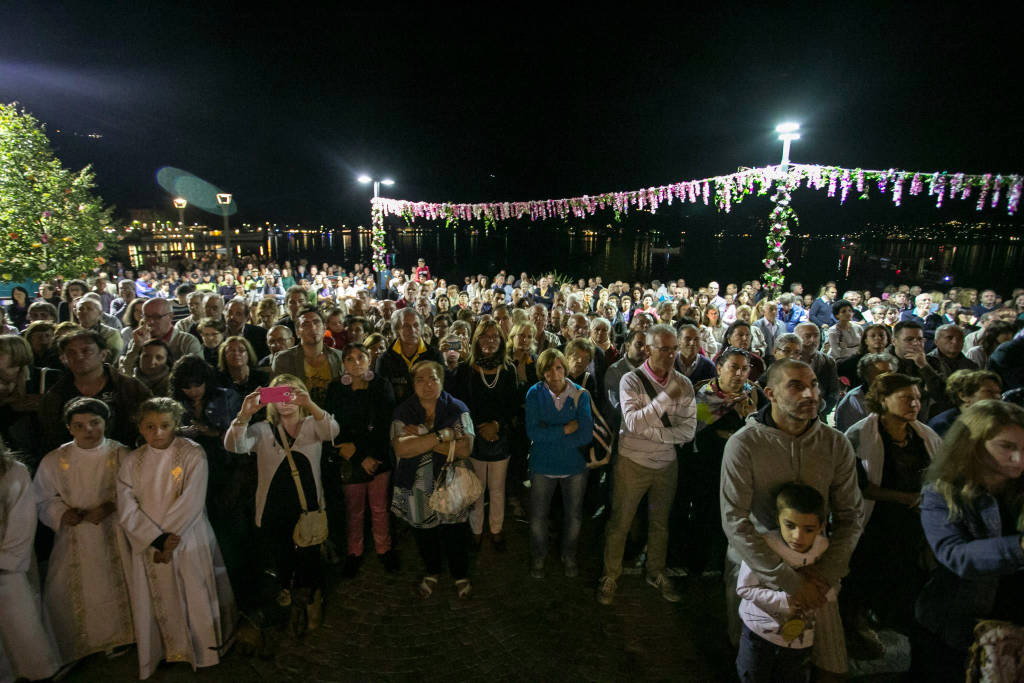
224, 199
376, 194
180, 203
787, 133
376, 183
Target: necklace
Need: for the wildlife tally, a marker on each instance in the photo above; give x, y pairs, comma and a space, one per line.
483, 378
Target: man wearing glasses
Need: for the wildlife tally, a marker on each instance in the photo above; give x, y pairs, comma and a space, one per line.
908, 343
659, 413
157, 323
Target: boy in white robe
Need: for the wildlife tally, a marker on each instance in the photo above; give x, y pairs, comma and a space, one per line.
86, 589
26, 646
182, 602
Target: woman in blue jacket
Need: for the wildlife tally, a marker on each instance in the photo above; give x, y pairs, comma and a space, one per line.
972, 516
558, 422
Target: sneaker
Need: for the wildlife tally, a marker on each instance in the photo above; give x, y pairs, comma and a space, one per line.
606, 590
664, 584
537, 568
572, 570
390, 561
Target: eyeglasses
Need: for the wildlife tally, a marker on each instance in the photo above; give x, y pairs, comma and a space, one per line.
665, 349
155, 316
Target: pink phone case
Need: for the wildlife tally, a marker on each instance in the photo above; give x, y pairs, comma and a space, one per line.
275, 394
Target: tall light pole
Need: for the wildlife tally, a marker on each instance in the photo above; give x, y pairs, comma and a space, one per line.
224, 199
787, 133
376, 193
376, 183
180, 203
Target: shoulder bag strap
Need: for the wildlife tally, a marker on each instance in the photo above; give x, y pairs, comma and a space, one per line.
291, 464
651, 392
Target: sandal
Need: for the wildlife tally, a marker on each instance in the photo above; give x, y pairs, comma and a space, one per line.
464, 589
427, 586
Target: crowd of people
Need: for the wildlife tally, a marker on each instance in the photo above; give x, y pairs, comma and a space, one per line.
846, 463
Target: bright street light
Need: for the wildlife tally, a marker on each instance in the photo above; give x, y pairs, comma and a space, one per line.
180, 203
787, 133
376, 183
224, 199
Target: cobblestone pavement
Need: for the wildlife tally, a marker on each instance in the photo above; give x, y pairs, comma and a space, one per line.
515, 628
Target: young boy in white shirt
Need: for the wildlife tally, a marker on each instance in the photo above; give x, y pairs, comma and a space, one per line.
777, 636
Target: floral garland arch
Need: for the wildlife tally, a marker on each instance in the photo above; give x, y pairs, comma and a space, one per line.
990, 189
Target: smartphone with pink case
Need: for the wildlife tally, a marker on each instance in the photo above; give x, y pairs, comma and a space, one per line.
280, 394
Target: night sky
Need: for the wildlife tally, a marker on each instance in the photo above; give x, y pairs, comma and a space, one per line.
285, 109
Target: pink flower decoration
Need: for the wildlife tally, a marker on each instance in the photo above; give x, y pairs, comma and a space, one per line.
99, 246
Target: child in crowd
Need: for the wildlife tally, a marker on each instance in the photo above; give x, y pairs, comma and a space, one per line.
181, 598
27, 650
776, 642
86, 590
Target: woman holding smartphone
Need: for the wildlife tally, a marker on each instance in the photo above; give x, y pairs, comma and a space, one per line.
290, 438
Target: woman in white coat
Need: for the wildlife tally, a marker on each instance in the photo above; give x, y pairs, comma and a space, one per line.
893, 448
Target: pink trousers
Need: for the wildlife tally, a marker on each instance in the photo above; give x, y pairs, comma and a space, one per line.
356, 496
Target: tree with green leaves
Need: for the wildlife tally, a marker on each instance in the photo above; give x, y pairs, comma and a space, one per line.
51, 223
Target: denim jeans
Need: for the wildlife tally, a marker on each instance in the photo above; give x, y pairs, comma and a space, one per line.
759, 661
542, 488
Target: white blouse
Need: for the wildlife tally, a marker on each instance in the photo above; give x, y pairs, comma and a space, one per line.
242, 437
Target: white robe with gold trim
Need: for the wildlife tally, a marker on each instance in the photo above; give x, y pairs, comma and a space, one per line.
27, 649
86, 588
184, 610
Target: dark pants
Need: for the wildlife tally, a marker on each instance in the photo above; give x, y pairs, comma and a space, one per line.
295, 567
444, 541
759, 661
695, 524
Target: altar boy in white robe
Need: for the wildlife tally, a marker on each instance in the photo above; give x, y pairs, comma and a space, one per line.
182, 602
86, 589
27, 649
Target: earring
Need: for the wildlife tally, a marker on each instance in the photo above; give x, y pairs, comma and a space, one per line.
368, 375
346, 379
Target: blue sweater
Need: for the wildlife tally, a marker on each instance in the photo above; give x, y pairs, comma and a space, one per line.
552, 451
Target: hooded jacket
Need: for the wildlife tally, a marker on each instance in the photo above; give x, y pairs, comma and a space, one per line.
757, 460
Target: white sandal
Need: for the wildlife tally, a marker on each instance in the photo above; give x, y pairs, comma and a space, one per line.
464, 589
427, 586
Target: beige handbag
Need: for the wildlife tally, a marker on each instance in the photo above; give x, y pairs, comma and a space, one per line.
311, 529
457, 486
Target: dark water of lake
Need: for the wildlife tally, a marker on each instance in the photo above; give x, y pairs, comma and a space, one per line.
868, 264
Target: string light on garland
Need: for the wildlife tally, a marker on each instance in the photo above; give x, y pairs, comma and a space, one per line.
725, 191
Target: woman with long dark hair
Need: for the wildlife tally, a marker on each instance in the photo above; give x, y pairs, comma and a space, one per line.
363, 403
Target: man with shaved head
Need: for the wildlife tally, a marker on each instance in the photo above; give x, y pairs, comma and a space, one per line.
786, 442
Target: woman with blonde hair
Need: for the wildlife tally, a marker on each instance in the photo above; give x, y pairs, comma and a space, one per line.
972, 511
288, 447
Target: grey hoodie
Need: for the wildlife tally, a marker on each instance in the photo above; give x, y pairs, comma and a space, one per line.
757, 460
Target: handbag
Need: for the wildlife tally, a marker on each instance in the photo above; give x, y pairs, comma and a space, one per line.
311, 529
456, 488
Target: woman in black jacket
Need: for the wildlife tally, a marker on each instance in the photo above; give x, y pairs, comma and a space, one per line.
362, 404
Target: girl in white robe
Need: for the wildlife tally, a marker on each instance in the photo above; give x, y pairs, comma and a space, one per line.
86, 589
182, 602
27, 649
